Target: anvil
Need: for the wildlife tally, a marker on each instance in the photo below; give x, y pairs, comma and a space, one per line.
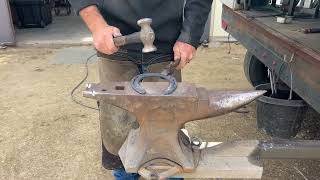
155, 149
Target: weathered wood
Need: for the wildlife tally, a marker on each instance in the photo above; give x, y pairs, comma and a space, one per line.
228, 160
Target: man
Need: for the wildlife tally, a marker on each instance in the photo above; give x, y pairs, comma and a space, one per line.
178, 25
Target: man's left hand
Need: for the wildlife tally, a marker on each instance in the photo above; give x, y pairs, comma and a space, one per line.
183, 51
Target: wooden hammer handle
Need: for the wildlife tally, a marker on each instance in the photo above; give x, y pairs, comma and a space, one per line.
128, 39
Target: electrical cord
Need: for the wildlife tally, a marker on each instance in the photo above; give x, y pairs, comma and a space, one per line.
80, 83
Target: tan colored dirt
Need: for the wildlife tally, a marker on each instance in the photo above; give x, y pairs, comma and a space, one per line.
44, 135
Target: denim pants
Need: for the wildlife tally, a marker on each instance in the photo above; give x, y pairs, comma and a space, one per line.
121, 174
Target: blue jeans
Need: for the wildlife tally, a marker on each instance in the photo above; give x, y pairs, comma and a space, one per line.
121, 174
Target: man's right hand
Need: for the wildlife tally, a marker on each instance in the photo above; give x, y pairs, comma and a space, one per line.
103, 39
102, 33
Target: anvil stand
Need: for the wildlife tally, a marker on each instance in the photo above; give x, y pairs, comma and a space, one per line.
155, 151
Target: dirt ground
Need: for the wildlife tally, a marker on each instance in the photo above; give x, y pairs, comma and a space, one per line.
44, 135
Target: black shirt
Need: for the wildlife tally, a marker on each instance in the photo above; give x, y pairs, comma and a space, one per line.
173, 20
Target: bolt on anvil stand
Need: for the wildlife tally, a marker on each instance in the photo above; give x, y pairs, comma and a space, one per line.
155, 151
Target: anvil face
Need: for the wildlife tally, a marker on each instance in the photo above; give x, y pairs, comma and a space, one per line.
160, 118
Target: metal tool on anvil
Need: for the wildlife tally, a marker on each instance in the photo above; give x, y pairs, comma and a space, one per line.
146, 36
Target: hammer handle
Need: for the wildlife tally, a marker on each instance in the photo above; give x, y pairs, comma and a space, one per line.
128, 39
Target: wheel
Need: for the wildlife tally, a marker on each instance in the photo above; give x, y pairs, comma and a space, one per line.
255, 71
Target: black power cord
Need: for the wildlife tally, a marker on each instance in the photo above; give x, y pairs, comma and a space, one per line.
80, 83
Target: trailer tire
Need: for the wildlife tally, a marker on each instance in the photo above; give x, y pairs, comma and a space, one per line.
255, 71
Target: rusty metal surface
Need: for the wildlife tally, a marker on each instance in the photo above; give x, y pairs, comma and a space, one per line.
286, 36
270, 46
294, 31
160, 118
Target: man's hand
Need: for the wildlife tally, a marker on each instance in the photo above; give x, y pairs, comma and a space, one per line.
102, 33
103, 39
183, 51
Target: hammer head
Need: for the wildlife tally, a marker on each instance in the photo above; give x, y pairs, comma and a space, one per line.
147, 35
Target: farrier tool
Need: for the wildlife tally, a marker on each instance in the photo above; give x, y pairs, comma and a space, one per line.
146, 36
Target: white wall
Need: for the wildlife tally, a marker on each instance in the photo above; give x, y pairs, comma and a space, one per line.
216, 32
6, 27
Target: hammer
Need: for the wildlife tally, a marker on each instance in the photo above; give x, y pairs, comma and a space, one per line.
146, 36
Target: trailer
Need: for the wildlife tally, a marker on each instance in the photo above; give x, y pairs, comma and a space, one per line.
291, 50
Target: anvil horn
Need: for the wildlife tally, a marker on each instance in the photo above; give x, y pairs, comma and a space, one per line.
215, 103
224, 102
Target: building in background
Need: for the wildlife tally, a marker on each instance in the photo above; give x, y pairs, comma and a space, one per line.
7, 34
216, 31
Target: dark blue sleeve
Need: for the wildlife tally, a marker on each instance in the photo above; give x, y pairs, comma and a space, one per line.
78, 5
195, 17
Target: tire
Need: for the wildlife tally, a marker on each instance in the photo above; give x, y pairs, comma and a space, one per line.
255, 71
